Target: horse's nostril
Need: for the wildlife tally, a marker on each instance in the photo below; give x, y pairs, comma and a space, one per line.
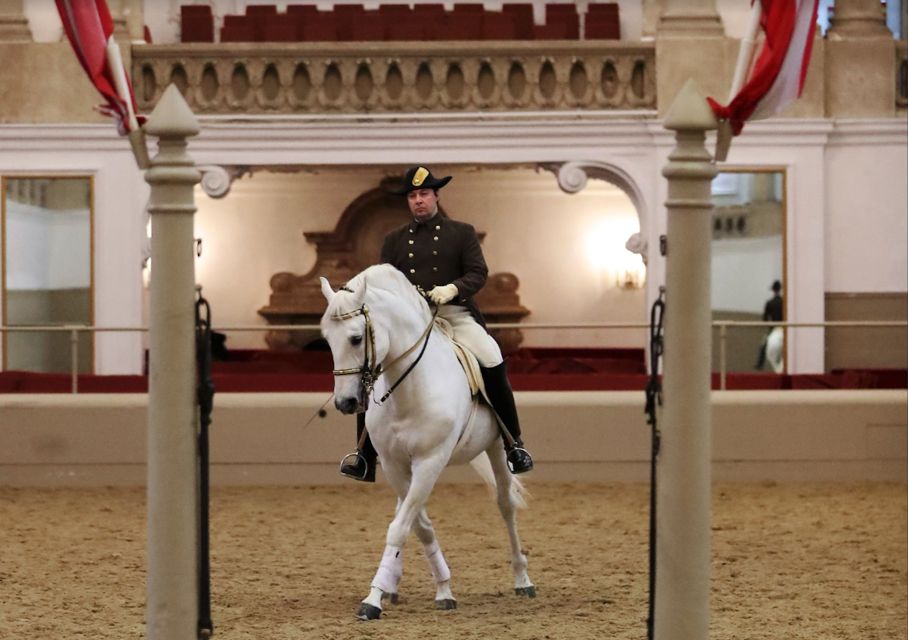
345, 405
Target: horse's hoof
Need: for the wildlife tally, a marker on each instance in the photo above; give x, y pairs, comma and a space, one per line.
368, 612
393, 598
446, 604
529, 592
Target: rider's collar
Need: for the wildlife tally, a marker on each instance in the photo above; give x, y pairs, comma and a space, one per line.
435, 221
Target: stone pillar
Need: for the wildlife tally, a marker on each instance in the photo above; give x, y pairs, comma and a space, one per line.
683, 471
13, 25
691, 43
693, 18
858, 18
172, 492
118, 12
860, 62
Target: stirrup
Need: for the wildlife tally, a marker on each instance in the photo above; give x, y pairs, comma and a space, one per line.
354, 465
519, 459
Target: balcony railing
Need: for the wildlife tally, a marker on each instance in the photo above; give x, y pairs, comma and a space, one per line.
309, 78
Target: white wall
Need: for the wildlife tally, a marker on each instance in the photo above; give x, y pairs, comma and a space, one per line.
867, 227
120, 193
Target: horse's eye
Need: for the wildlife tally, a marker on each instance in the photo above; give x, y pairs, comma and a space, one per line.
356, 340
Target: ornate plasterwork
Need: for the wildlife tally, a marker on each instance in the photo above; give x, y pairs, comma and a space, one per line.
574, 175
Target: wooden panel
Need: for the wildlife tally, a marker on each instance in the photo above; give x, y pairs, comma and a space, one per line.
863, 348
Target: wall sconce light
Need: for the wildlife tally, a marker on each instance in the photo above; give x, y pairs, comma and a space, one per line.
629, 279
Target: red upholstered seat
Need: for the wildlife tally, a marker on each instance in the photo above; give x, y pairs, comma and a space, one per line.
391, 13
556, 31
522, 16
296, 10
237, 29
406, 30
468, 7
346, 16
197, 28
565, 15
278, 28
369, 29
601, 29
602, 10
466, 25
261, 9
429, 12
318, 27
498, 26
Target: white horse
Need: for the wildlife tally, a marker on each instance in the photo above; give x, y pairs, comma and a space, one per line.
378, 325
775, 349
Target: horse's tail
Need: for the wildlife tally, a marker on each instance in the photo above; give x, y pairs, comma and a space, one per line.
483, 466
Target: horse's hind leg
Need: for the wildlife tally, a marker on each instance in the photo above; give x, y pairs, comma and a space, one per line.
523, 586
441, 574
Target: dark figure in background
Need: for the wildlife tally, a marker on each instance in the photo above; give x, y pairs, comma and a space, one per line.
443, 257
772, 312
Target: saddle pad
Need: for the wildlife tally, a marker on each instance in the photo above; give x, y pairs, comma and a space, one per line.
466, 357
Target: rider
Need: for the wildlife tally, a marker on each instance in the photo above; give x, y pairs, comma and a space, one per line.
444, 258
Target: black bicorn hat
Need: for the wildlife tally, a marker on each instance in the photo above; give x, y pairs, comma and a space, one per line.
420, 178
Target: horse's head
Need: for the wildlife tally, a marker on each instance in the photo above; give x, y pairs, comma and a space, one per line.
358, 344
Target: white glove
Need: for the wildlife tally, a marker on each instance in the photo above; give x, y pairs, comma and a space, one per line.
443, 295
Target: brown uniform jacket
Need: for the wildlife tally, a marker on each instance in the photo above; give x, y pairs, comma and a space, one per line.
437, 252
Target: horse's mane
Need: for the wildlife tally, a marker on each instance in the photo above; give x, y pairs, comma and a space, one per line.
381, 281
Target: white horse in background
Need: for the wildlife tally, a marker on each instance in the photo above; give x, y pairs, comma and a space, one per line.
775, 349
377, 326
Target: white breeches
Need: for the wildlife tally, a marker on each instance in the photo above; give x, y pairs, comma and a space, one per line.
470, 334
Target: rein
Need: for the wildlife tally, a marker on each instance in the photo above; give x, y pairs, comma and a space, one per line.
372, 371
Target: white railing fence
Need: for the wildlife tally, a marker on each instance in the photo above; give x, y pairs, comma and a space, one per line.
723, 327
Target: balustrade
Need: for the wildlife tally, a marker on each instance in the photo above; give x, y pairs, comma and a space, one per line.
309, 78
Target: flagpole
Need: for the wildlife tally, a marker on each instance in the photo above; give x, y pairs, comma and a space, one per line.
746, 52
135, 133
742, 68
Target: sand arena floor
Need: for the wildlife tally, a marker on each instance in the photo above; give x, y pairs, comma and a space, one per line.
789, 562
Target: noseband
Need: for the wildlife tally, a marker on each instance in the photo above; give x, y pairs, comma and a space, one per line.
372, 370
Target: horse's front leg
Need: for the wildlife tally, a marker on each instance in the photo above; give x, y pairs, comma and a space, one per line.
424, 475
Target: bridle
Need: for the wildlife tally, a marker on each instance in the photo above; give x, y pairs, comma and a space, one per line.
370, 371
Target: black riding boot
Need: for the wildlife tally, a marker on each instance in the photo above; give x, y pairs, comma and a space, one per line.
502, 397
360, 465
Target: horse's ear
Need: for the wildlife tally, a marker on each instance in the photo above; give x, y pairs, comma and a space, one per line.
361, 294
327, 291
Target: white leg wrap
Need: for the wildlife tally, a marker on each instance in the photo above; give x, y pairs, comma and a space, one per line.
390, 570
437, 564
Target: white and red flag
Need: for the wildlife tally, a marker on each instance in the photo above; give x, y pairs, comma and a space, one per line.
89, 28
777, 78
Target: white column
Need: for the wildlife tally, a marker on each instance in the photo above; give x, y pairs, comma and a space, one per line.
172, 556
683, 472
